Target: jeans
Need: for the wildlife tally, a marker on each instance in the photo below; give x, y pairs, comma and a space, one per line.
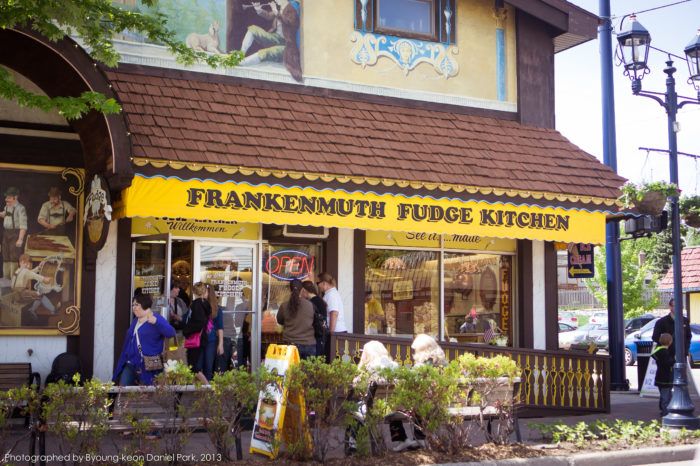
243, 348
206, 359
306, 351
664, 398
128, 376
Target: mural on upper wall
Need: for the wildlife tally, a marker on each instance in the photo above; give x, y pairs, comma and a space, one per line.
267, 32
377, 23
41, 235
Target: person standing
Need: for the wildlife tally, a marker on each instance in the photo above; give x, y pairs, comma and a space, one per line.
666, 325
336, 316
145, 337
214, 336
177, 309
55, 213
14, 217
321, 312
664, 371
197, 323
297, 317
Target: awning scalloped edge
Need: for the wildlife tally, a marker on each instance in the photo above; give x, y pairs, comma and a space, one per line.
372, 181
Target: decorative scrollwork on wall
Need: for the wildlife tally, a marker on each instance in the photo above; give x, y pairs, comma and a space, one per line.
74, 326
406, 53
80, 177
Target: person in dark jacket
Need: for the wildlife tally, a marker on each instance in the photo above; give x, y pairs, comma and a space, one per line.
297, 317
664, 371
200, 310
321, 334
152, 330
666, 324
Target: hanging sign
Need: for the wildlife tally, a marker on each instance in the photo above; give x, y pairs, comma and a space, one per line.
273, 419
580, 261
244, 202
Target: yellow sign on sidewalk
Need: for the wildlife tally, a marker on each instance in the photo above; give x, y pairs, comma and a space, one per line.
274, 417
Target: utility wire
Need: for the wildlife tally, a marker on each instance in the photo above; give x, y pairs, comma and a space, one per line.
652, 9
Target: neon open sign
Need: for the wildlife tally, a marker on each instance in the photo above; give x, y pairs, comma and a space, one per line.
290, 264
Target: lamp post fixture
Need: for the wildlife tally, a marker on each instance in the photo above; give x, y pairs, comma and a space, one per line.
634, 44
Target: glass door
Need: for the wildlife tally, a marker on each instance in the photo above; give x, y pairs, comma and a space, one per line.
151, 269
231, 271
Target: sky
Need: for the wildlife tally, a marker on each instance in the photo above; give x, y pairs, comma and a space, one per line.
640, 121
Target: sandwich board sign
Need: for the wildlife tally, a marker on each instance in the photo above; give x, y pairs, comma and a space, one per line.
275, 419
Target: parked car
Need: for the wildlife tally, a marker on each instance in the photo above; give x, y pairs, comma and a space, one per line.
643, 334
565, 327
635, 323
569, 318
599, 318
694, 352
589, 332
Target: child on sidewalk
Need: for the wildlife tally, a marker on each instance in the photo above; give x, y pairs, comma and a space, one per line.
664, 371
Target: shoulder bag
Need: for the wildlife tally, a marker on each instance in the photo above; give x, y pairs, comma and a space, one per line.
150, 363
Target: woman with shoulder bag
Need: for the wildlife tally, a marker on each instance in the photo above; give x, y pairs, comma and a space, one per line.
200, 310
297, 317
213, 343
140, 360
310, 292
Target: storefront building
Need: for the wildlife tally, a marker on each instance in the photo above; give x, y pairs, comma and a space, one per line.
413, 160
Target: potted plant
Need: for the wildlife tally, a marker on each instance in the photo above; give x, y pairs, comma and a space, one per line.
689, 207
648, 198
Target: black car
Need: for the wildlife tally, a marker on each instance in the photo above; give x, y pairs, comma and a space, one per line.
635, 323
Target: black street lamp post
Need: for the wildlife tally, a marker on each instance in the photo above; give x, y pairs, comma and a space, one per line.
634, 44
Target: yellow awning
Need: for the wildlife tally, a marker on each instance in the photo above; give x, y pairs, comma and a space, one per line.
173, 197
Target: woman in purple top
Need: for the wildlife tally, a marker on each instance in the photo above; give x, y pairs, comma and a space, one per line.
152, 330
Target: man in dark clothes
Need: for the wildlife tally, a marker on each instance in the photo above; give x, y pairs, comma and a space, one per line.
666, 325
664, 371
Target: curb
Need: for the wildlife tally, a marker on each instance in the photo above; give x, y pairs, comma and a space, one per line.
642, 456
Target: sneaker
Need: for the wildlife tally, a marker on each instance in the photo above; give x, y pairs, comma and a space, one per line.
407, 444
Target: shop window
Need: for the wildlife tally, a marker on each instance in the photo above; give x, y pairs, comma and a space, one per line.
478, 296
402, 292
432, 20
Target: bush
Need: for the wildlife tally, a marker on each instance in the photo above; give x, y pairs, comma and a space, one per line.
22, 401
326, 389
233, 393
425, 393
77, 414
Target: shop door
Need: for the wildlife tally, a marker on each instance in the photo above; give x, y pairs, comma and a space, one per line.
151, 269
231, 271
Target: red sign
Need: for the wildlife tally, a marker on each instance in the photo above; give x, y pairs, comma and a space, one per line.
290, 264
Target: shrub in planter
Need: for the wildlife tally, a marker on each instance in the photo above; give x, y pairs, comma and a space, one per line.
326, 389
648, 198
491, 388
425, 394
77, 415
22, 401
232, 394
689, 207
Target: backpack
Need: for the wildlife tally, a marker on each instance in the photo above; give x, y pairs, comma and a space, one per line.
63, 368
320, 325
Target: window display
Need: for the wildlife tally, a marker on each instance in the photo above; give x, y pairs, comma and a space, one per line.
474, 296
402, 292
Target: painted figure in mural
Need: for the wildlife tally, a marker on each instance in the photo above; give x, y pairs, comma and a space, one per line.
279, 42
14, 217
205, 42
55, 213
22, 285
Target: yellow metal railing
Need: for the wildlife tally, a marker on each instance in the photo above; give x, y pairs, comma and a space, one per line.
551, 380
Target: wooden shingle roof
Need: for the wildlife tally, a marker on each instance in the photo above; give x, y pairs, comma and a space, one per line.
239, 124
690, 268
